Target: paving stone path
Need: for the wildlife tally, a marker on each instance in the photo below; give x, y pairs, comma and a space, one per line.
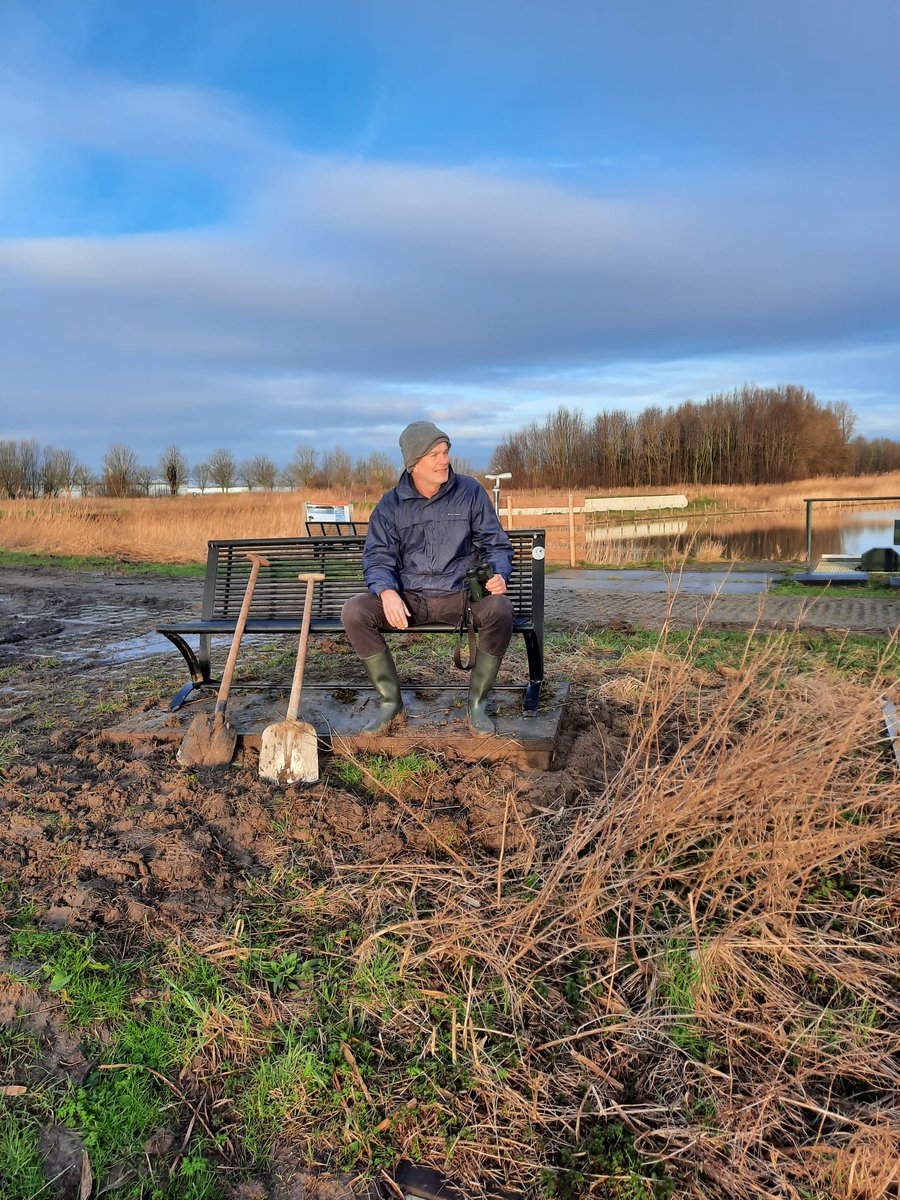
573, 603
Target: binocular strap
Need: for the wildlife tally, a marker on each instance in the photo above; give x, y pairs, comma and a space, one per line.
466, 627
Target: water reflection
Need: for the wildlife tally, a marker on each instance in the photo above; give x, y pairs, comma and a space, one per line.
762, 536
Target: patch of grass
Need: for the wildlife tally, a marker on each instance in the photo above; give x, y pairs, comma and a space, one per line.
800, 653
606, 1158
10, 750
280, 1087
115, 1111
21, 1161
91, 989
91, 562
680, 980
372, 771
875, 587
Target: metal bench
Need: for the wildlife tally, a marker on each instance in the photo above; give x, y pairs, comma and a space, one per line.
332, 528
277, 603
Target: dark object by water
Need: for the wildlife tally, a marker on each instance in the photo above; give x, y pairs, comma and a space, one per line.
881, 559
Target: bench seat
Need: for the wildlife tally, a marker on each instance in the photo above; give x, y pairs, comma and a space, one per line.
277, 604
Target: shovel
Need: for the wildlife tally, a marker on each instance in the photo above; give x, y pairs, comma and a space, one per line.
209, 742
288, 752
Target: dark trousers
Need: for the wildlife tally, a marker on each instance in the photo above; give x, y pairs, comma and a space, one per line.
363, 618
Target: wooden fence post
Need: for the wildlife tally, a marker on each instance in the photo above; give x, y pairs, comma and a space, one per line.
509, 515
571, 530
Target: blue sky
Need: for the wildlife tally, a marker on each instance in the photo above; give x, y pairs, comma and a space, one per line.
267, 224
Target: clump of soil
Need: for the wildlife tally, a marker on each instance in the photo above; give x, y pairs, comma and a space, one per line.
98, 835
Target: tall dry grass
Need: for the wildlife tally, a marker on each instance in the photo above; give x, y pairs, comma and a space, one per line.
694, 938
159, 529
787, 496
176, 530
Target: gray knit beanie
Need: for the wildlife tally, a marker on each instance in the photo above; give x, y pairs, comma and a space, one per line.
417, 439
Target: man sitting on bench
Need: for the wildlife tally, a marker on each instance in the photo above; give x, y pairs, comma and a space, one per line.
425, 536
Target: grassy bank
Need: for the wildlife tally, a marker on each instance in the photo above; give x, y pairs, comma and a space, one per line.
667, 968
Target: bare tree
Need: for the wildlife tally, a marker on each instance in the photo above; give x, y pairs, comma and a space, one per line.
120, 467
59, 471
202, 476
30, 468
24, 468
245, 473
337, 467
222, 469
9, 468
51, 484
173, 468
84, 479
381, 470
145, 477
264, 472
302, 467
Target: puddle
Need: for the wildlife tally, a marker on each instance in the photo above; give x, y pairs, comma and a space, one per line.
130, 648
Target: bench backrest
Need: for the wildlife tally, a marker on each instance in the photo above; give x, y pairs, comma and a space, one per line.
279, 594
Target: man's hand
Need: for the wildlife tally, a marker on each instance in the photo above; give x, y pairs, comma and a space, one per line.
394, 609
496, 585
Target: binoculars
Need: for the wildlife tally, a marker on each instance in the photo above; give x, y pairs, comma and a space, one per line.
476, 578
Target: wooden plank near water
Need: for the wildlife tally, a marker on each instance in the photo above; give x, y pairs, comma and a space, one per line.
633, 503
544, 512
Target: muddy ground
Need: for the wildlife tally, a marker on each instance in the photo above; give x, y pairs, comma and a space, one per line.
99, 833
121, 838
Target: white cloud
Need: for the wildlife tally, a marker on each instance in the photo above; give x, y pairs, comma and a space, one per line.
342, 295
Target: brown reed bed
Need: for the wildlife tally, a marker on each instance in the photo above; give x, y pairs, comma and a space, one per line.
176, 530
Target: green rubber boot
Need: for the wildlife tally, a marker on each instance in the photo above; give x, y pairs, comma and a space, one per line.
482, 679
383, 676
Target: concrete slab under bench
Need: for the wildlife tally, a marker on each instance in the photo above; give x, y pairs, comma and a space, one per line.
435, 721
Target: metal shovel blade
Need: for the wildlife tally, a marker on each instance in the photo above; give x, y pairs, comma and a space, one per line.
209, 742
289, 753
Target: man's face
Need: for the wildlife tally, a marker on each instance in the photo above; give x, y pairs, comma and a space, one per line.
432, 470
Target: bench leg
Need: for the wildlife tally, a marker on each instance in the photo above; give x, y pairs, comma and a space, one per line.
185, 694
535, 672
199, 670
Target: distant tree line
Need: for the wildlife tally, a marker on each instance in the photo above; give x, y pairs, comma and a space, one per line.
29, 469
751, 435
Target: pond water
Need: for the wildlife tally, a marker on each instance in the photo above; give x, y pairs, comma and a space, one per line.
762, 536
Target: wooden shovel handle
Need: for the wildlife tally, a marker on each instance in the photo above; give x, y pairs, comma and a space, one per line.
256, 561
297, 683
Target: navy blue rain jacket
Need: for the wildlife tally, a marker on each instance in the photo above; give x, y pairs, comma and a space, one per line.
416, 544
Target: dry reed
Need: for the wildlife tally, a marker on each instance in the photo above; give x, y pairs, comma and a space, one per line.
176, 530
691, 936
